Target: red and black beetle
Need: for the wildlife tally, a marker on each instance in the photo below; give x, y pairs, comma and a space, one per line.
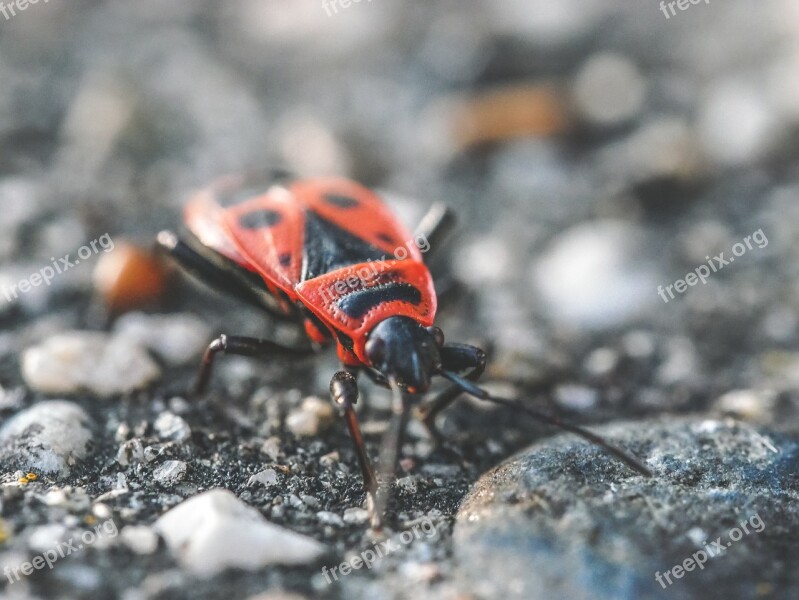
328, 255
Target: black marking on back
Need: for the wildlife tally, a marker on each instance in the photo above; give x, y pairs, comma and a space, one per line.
260, 218
284, 259
341, 201
386, 238
357, 304
328, 247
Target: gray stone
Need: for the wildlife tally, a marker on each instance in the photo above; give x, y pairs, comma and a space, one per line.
50, 437
564, 520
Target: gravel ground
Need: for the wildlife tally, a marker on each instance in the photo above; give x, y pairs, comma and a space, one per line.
628, 234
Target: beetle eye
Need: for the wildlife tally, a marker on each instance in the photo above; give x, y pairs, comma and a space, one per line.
437, 334
375, 350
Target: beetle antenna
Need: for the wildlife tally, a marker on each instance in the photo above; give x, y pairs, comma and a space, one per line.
478, 392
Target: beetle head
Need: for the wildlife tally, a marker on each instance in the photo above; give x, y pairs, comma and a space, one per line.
403, 350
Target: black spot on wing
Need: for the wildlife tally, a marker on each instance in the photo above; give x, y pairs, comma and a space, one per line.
327, 247
260, 218
357, 304
341, 201
385, 238
284, 259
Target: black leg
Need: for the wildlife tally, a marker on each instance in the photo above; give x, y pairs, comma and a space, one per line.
221, 274
456, 358
344, 393
243, 346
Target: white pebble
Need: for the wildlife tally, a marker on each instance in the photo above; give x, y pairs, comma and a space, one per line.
171, 472
265, 478
215, 530
314, 416
169, 426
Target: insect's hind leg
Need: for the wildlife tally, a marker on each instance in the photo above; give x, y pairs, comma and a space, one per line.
242, 346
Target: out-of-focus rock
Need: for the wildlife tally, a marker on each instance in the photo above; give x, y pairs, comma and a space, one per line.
177, 338
77, 361
596, 275
609, 90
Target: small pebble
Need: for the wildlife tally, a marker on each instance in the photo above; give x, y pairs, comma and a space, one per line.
265, 478
170, 427
171, 472
314, 416
130, 453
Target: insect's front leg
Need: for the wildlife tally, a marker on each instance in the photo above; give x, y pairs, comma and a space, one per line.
344, 393
242, 346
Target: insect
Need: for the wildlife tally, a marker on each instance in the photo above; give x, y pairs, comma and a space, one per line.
329, 256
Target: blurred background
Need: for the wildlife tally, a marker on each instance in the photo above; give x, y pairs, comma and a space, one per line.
594, 150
